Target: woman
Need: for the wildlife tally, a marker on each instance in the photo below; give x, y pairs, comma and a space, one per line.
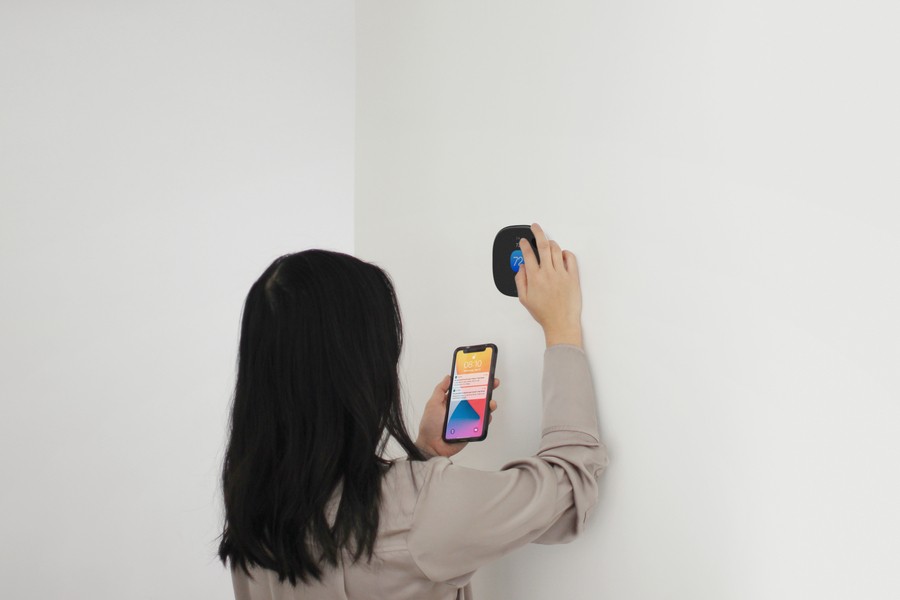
313, 510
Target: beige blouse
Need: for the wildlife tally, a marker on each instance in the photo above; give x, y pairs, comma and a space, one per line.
440, 522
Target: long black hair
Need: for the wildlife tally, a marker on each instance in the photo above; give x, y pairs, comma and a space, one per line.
316, 400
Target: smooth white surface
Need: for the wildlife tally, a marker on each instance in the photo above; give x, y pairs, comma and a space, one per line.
727, 175
154, 159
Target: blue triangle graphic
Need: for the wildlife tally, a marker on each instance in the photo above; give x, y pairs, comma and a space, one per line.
465, 412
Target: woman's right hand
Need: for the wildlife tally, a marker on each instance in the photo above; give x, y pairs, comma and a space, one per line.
551, 290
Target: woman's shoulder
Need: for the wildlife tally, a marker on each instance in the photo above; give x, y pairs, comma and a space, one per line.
405, 478
401, 486
415, 473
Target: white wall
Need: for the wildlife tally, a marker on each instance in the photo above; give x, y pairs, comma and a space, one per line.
155, 157
727, 174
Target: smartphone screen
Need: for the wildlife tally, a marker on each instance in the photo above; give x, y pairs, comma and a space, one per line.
471, 385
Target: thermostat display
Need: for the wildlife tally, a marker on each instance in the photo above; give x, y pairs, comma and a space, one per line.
507, 257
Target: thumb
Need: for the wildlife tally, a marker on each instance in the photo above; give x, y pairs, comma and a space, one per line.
441, 388
521, 280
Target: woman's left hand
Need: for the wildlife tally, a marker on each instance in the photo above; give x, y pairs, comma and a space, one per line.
430, 441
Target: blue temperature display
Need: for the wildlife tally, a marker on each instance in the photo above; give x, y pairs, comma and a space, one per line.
516, 259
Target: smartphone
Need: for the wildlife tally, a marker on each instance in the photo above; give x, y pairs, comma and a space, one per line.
471, 384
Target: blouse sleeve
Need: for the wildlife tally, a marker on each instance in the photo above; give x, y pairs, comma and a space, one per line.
465, 518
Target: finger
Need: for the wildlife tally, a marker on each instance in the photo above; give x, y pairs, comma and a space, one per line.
443, 385
528, 256
441, 389
496, 383
522, 282
556, 254
493, 405
571, 263
543, 244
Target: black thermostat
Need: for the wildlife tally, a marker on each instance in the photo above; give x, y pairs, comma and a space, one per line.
507, 256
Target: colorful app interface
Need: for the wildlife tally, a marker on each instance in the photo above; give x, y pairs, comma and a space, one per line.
468, 394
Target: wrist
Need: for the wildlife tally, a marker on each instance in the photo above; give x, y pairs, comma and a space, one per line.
427, 450
568, 335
